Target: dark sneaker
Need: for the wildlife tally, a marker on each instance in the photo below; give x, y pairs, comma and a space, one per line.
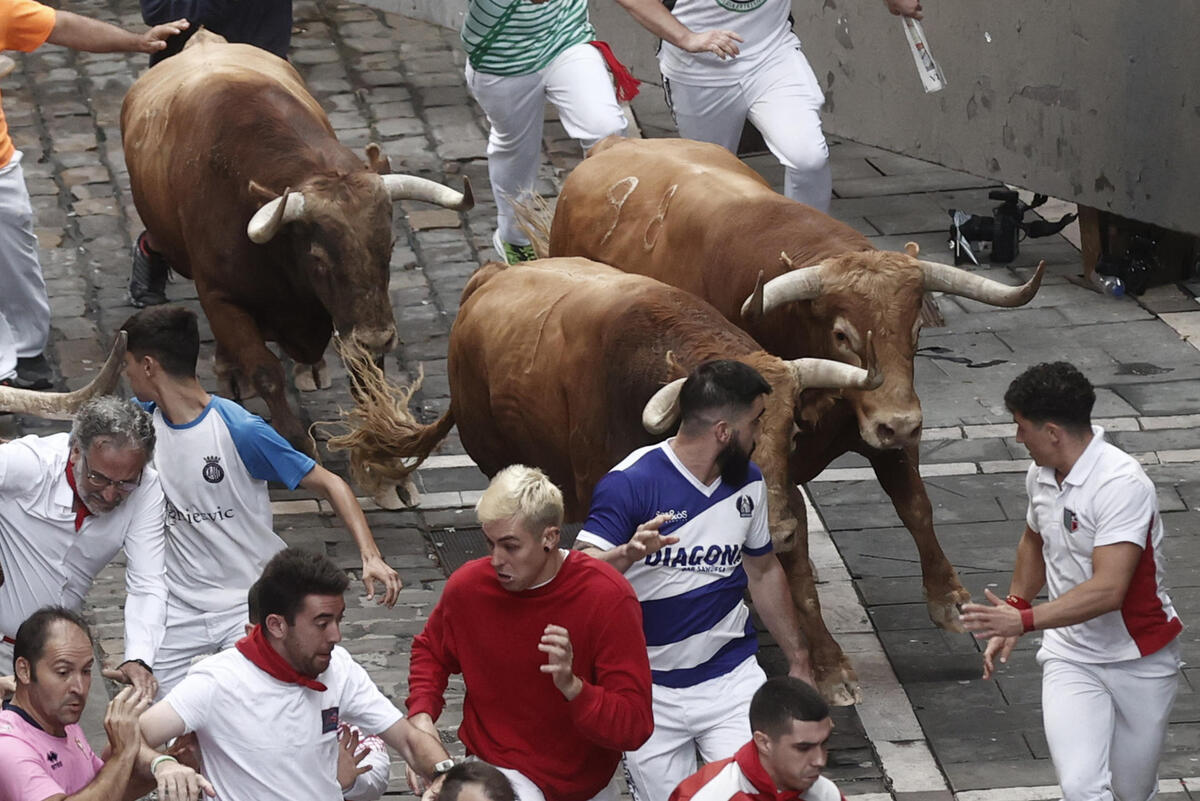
510, 253
148, 278
33, 372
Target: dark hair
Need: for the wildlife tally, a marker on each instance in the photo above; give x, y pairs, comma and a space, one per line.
1053, 392
253, 606
496, 786
168, 333
781, 700
30, 642
720, 384
293, 574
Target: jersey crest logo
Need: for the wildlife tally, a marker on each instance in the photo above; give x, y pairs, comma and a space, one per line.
1070, 521
740, 5
329, 720
745, 506
53, 760
213, 472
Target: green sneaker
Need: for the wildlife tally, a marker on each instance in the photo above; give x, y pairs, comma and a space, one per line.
510, 253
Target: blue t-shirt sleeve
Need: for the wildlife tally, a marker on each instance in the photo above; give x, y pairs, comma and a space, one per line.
267, 455
614, 515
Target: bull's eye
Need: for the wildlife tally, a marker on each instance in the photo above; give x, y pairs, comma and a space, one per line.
841, 337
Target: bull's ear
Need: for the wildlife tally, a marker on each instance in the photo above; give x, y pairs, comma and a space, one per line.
260, 192
376, 161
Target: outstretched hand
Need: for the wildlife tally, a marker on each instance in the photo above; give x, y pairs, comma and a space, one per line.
133, 673
556, 643
156, 38
646, 539
375, 569
905, 8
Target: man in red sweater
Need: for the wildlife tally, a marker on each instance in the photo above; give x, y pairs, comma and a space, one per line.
549, 643
783, 762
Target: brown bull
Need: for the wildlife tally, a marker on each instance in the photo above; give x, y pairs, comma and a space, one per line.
555, 363
214, 139
693, 216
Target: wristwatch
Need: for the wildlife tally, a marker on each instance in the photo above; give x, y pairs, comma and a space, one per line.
443, 766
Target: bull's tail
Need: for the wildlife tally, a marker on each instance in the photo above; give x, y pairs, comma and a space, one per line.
386, 443
534, 216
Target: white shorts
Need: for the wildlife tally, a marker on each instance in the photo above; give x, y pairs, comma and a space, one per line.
713, 716
526, 790
193, 633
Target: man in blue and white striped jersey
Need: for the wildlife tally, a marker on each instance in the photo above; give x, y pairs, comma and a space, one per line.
704, 541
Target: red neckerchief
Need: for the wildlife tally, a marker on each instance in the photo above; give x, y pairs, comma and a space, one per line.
256, 648
627, 85
81, 510
752, 769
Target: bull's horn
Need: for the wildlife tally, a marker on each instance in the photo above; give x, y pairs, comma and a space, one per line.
944, 278
802, 284
662, 410
61, 405
752, 309
266, 222
406, 187
828, 374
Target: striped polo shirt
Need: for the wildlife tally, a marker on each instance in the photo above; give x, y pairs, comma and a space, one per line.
697, 625
517, 37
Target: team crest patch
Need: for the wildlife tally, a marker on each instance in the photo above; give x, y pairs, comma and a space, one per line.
329, 720
1070, 521
53, 761
740, 5
745, 506
213, 472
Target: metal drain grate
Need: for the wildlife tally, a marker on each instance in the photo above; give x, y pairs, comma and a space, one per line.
457, 546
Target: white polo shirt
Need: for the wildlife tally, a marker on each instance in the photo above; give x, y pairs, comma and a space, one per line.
267, 740
763, 25
46, 561
1106, 498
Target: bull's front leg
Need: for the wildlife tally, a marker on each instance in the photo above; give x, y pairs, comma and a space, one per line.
899, 474
239, 336
836, 679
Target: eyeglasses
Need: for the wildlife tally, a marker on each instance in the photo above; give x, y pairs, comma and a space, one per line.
102, 482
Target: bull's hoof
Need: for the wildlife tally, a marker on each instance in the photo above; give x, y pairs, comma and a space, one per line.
311, 377
840, 687
943, 610
398, 496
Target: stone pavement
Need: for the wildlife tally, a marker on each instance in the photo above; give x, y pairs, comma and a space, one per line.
928, 726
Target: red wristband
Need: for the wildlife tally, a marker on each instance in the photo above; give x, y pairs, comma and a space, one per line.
1027, 619
1018, 602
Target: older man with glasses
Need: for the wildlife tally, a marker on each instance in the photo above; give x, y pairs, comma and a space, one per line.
68, 503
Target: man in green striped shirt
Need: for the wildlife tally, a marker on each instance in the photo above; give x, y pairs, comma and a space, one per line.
520, 54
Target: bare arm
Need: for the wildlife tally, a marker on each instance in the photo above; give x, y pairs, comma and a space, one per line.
175, 782
341, 498
91, 35
654, 17
773, 601
419, 750
1029, 576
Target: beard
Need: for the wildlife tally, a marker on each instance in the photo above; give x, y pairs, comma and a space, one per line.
734, 461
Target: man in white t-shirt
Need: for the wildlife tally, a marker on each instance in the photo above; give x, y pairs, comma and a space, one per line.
708, 500
68, 504
1093, 537
266, 713
214, 459
726, 61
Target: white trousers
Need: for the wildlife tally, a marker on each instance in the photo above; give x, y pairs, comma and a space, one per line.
526, 790
578, 84
193, 633
24, 307
783, 100
713, 716
1106, 723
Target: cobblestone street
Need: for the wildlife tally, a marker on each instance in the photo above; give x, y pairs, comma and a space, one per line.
928, 727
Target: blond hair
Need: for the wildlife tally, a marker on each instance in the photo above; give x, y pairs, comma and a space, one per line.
521, 492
